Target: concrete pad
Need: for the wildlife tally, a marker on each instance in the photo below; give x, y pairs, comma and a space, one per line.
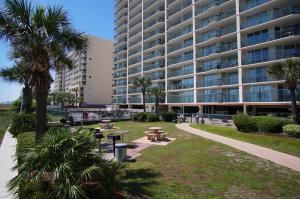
144, 140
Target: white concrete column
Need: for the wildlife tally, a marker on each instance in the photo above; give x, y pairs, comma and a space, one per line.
166, 52
245, 109
239, 46
194, 52
127, 100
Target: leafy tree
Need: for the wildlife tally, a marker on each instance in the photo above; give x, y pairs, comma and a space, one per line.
19, 73
158, 93
144, 84
65, 165
42, 37
290, 72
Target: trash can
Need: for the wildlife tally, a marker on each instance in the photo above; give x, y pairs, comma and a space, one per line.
121, 152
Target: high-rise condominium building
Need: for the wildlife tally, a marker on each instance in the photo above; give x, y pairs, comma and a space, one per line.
207, 54
90, 77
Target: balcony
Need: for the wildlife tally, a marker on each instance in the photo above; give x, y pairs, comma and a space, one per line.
265, 57
134, 61
206, 7
217, 65
181, 72
271, 36
217, 49
215, 18
275, 95
270, 16
179, 86
177, 9
120, 92
216, 33
153, 55
151, 99
218, 82
119, 100
252, 4
156, 76
180, 99
180, 33
180, 46
118, 75
182, 58
218, 97
134, 71
180, 20
254, 79
153, 44
134, 100
154, 65
119, 66
153, 33
152, 23
134, 90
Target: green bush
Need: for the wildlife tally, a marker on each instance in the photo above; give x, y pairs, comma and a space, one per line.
269, 124
141, 117
22, 123
152, 117
245, 123
292, 130
168, 116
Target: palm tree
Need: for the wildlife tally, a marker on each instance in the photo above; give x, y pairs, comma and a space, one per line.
20, 74
53, 97
144, 84
158, 93
290, 72
65, 165
43, 37
61, 98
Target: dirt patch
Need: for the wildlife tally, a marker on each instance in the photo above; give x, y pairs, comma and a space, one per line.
235, 192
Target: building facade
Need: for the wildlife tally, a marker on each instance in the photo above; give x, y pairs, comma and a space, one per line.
90, 77
211, 55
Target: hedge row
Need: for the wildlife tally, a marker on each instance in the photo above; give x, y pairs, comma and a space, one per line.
152, 117
265, 124
22, 123
292, 130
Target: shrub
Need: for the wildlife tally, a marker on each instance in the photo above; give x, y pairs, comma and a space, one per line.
152, 117
141, 117
292, 130
168, 116
244, 123
269, 124
22, 123
25, 140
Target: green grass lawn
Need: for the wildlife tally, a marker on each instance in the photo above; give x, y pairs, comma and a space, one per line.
192, 167
5, 119
279, 143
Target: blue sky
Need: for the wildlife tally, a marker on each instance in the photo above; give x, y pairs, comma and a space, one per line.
95, 17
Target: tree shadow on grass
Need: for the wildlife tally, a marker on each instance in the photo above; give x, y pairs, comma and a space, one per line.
138, 181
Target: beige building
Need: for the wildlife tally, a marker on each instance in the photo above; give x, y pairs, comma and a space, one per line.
90, 77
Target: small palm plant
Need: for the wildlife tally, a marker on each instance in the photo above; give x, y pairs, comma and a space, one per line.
144, 84
158, 93
290, 72
65, 165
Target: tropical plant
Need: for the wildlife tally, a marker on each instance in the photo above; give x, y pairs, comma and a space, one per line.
290, 72
144, 84
42, 37
158, 94
53, 97
66, 165
19, 73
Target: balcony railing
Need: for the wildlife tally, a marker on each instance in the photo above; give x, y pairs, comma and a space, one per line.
153, 44
253, 79
217, 33
119, 101
180, 59
183, 5
218, 65
153, 33
279, 95
180, 20
180, 99
153, 55
151, 99
264, 57
134, 61
271, 36
215, 18
176, 73
152, 23
252, 4
180, 46
217, 49
271, 16
134, 100
180, 33
134, 71
134, 90
218, 97
179, 86
154, 65
204, 8
156, 76
218, 82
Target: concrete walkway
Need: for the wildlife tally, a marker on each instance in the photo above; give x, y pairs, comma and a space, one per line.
7, 151
283, 159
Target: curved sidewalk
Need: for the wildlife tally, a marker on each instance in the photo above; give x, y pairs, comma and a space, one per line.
7, 151
283, 159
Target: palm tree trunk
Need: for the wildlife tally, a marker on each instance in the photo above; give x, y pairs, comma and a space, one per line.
157, 104
41, 108
294, 106
144, 104
27, 98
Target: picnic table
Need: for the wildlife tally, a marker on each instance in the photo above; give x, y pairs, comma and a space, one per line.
156, 133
